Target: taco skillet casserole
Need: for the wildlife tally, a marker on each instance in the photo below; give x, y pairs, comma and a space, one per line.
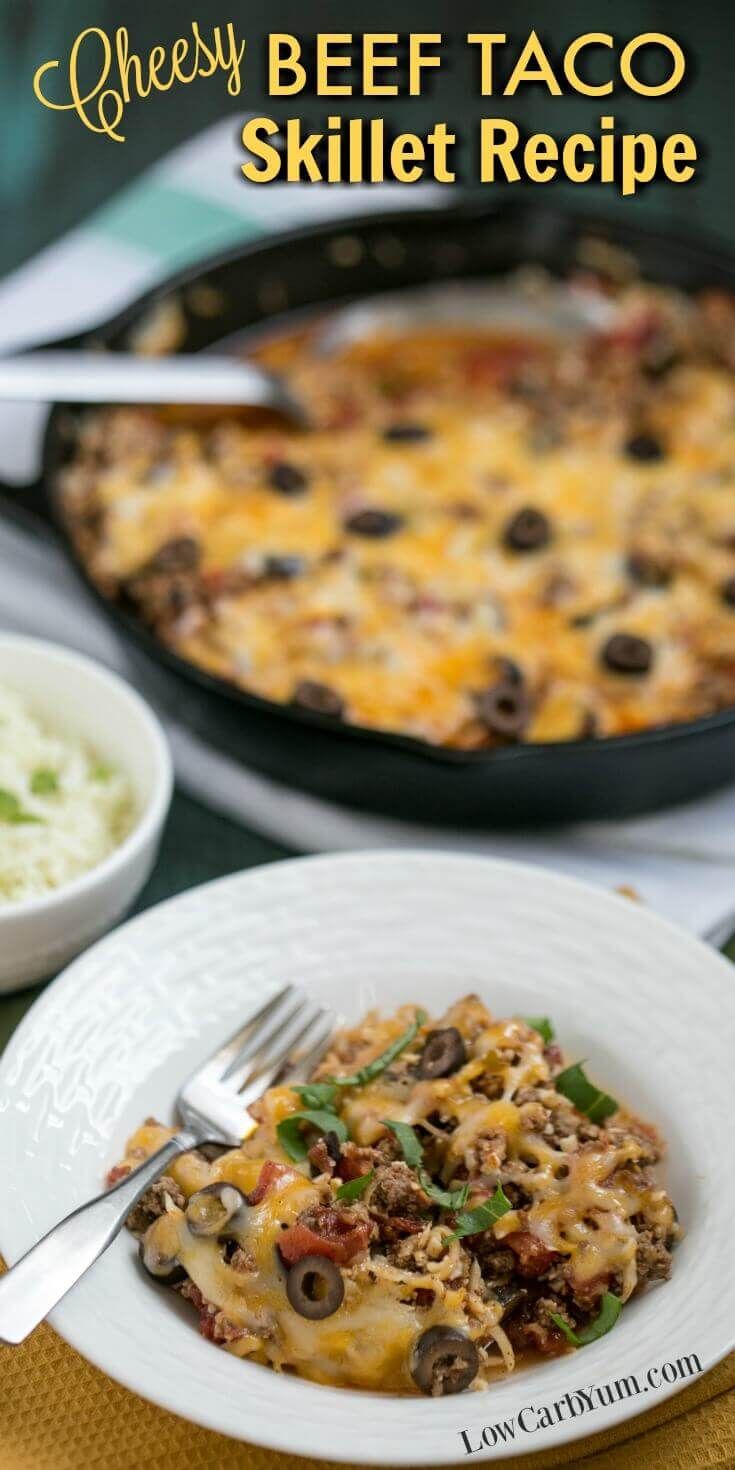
443, 1200
484, 537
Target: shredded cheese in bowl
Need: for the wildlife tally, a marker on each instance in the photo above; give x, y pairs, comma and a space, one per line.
63, 809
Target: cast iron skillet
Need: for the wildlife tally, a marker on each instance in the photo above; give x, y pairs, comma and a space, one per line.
526, 784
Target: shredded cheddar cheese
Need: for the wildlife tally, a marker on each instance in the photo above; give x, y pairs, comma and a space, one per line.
474, 1114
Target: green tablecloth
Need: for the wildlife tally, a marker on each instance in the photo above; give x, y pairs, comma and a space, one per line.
197, 845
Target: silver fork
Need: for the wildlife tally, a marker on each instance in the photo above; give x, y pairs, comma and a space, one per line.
284, 1039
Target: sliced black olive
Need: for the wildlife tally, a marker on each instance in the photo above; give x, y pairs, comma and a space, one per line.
728, 592
374, 523
333, 1146
505, 708
647, 571
507, 669
645, 447
626, 653
528, 530
510, 1296
444, 1361
211, 1209
406, 433
283, 568
314, 1287
287, 478
156, 1255
444, 1052
318, 697
183, 554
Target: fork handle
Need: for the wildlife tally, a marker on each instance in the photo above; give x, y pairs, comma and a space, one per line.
29, 1290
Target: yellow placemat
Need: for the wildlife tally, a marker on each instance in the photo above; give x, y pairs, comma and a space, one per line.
59, 1413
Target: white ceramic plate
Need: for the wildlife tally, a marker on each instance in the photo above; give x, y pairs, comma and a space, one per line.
649, 1006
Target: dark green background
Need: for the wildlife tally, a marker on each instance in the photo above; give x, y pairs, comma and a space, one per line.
53, 171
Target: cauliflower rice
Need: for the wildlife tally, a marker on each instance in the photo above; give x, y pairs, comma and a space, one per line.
62, 809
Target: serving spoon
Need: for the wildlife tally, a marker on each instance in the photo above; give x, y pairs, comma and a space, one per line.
57, 375
62, 375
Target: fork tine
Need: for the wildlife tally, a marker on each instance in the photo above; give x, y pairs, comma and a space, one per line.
221, 1059
299, 1068
264, 1035
276, 1047
298, 1048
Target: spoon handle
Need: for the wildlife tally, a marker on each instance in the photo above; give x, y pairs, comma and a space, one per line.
50, 376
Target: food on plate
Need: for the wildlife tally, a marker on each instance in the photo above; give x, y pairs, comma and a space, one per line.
63, 809
443, 1200
485, 537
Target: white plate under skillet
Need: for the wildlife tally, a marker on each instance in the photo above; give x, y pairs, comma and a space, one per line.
107, 1044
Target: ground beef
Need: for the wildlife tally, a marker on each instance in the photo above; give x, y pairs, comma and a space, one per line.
534, 1117
490, 1084
322, 1158
497, 1265
652, 1259
644, 1134
213, 1324
490, 1150
238, 1258
153, 1204
397, 1192
355, 1160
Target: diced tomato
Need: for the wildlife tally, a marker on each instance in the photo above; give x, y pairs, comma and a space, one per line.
533, 1257
587, 1293
354, 1161
118, 1172
494, 363
270, 1172
325, 1232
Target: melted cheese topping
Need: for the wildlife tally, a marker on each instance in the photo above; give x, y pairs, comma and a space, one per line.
406, 628
583, 1201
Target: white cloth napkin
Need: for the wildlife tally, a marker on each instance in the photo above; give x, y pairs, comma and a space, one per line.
682, 862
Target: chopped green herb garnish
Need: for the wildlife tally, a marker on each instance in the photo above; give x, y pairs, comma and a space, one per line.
354, 1188
44, 782
411, 1148
290, 1133
12, 811
542, 1024
608, 1315
413, 1153
316, 1094
379, 1064
449, 1199
102, 771
471, 1222
587, 1099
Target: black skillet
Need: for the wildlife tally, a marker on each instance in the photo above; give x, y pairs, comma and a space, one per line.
526, 784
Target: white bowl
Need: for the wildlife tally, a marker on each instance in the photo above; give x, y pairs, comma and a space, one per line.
111, 1040
77, 697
